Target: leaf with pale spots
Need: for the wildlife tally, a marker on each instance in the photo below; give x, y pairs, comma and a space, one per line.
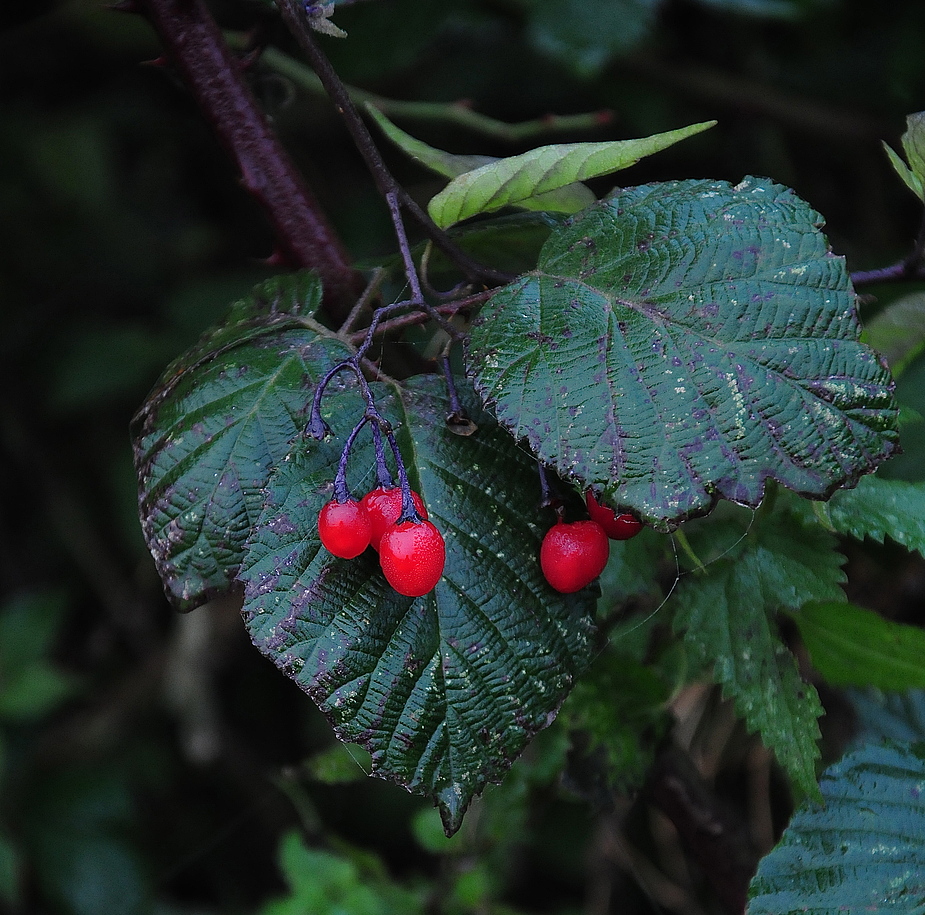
443, 690
218, 421
860, 852
687, 341
728, 618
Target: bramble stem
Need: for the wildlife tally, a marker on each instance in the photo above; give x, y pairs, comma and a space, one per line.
195, 46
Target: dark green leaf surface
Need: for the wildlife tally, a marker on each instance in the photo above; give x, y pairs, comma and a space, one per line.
208, 436
851, 646
863, 851
728, 618
687, 341
444, 690
878, 509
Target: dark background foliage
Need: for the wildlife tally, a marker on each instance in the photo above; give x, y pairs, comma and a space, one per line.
148, 761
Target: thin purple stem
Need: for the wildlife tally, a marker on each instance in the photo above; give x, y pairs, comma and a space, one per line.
341, 493
909, 268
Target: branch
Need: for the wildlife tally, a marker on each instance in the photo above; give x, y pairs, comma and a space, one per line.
294, 16
911, 267
195, 46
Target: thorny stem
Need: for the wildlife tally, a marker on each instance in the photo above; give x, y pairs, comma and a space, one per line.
194, 44
293, 13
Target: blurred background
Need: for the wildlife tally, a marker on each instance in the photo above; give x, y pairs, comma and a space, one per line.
152, 763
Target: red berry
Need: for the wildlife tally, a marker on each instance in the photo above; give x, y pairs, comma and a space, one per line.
412, 555
344, 528
573, 555
616, 527
384, 508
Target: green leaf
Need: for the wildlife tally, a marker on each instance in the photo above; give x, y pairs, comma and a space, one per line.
220, 419
510, 181
568, 199
851, 646
913, 141
728, 620
911, 180
898, 332
878, 509
687, 341
585, 35
444, 690
863, 851
895, 716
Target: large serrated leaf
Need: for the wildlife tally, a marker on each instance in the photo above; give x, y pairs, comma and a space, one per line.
861, 852
444, 690
510, 181
211, 431
687, 341
728, 619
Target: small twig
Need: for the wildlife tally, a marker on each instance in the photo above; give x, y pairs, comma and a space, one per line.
369, 293
293, 13
451, 308
911, 267
460, 114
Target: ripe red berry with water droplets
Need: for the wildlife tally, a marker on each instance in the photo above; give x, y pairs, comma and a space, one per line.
616, 526
344, 528
573, 554
412, 555
384, 508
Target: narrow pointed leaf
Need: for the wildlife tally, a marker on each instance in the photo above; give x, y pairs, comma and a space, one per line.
567, 199
862, 851
851, 646
728, 617
209, 434
443, 690
687, 341
509, 181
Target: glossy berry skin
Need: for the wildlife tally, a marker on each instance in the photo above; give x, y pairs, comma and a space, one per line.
412, 556
616, 527
573, 555
384, 508
344, 528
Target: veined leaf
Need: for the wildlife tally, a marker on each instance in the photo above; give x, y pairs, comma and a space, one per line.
220, 419
687, 341
567, 199
851, 646
878, 509
862, 851
443, 690
728, 617
509, 181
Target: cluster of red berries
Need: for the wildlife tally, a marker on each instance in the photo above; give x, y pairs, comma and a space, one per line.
574, 553
412, 554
